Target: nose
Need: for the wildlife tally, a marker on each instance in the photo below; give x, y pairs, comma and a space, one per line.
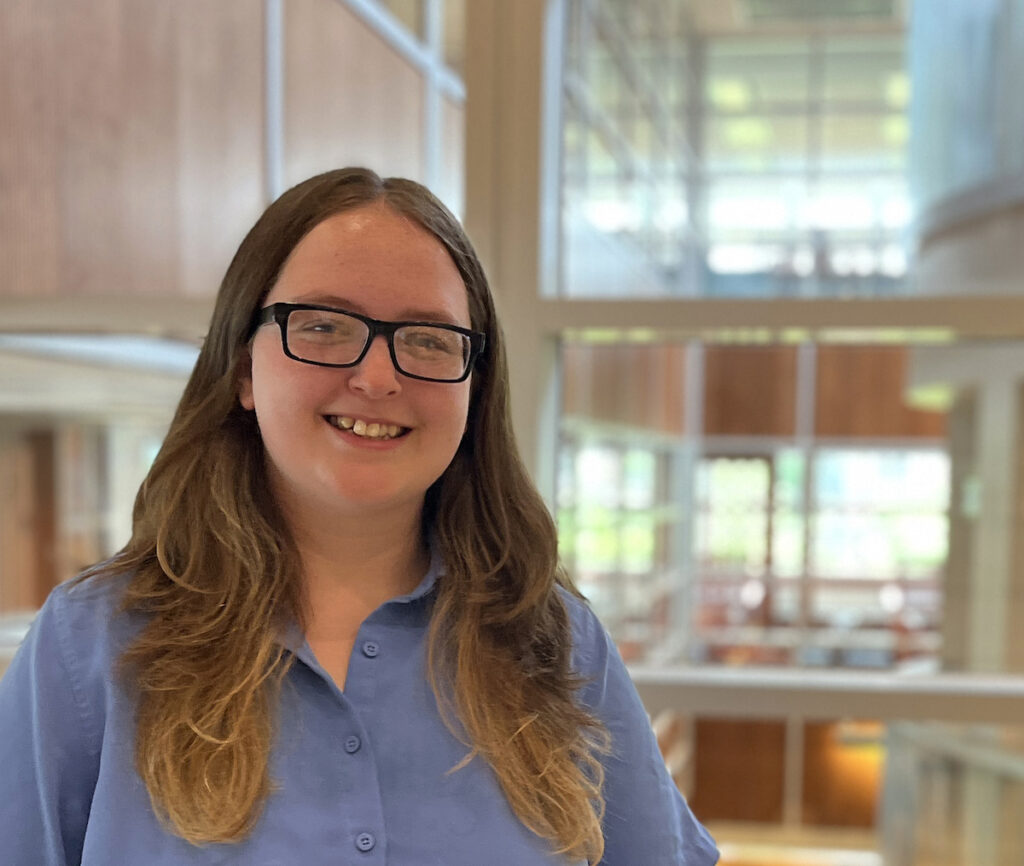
375, 375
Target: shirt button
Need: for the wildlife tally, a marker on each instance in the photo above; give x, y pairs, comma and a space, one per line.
352, 744
365, 842
370, 649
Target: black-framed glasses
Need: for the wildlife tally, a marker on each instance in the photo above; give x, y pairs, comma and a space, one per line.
329, 337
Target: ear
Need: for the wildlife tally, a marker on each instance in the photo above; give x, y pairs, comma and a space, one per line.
244, 377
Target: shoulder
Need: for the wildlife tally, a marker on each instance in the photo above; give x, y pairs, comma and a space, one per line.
646, 818
86, 616
588, 635
56, 698
78, 635
594, 655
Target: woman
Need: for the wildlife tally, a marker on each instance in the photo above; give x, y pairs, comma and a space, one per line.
339, 633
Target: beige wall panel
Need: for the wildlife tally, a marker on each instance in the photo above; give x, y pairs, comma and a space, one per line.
1015, 601
978, 256
956, 586
221, 180
452, 187
131, 155
29, 199
349, 99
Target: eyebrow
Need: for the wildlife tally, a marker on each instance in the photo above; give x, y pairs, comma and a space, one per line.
407, 315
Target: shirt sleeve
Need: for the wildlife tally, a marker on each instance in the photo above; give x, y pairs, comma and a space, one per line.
47, 767
646, 818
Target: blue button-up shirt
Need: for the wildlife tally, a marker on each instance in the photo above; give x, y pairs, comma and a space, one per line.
361, 775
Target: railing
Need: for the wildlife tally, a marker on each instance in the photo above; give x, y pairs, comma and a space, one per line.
830, 694
946, 732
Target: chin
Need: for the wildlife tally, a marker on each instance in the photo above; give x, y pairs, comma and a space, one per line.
374, 498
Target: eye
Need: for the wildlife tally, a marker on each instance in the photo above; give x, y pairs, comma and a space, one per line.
437, 341
318, 325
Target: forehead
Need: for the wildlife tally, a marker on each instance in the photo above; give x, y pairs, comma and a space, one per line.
377, 261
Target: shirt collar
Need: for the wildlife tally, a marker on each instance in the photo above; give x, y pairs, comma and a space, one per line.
293, 639
434, 570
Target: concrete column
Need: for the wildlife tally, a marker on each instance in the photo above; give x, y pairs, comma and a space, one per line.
984, 573
994, 532
985, 579
512, 133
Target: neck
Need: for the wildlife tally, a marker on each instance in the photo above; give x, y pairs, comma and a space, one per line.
353, 564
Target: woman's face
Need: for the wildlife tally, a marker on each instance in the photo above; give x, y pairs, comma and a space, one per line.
372, 261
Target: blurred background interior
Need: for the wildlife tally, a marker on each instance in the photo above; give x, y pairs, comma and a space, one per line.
760, 266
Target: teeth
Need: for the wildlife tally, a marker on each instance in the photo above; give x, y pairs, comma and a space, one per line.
368, 431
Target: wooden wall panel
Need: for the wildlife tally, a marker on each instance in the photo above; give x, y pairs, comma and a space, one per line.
42, 445
18, 549
739, 768
859, 392
638, 386
841, 780
349, 99
131, 154
221, 185
116, 89
81, 482
749, 390
29, 176
28, 515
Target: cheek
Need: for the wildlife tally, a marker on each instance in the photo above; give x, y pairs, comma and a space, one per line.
447, 414
460, 413
281, 395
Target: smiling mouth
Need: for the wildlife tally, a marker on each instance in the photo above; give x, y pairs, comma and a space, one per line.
366, 431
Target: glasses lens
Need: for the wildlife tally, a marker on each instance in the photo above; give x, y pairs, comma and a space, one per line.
432, 352
325, 337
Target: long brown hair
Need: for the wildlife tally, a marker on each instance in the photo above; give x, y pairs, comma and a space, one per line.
215, 571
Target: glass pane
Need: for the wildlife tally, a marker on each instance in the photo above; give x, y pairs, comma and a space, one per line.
455, 34
748, 76
866, 69
732, 524
597, 476
787, 543
858, 142
756, 143
789, 180
885, 478
786, 603
638, 479
880, 514
755, 207
771, 549
409, 12
626, 217
638, 538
